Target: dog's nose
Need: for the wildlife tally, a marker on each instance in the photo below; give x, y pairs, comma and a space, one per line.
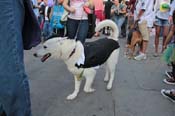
35, 54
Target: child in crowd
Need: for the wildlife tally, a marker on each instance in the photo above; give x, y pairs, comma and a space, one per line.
55, 16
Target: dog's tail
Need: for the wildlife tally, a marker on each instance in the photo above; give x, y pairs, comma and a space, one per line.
110, 24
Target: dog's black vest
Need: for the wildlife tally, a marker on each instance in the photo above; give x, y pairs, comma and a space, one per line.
97, 52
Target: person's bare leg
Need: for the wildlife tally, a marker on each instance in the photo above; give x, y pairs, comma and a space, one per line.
156, 41
144, 46
165, 33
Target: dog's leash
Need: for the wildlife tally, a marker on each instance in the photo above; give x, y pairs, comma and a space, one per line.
136, 24
80, 76
79, 26
79, 23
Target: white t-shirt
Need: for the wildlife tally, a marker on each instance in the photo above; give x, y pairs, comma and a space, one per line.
79, 12
160, 12
148, 15
46, 12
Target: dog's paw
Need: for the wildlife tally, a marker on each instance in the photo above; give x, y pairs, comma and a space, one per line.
90, 90
71, 96
109, 87
106, 80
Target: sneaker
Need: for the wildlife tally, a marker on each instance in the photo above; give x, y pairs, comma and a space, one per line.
141, 56
168, 94
169, 81
169, 74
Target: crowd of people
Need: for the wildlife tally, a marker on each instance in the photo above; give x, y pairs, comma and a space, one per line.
19, 32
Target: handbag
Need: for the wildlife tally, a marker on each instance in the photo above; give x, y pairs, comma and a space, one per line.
64, 17
87, 9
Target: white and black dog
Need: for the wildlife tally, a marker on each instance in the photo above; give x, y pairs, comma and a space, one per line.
81, 59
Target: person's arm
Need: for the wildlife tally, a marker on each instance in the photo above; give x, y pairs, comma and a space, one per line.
42, 9
123, 10
170, 19
112, 10
51, 12
142, 10
67, 7
90, 4
170, 35
34, 6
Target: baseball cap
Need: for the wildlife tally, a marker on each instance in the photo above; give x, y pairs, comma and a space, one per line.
164, 7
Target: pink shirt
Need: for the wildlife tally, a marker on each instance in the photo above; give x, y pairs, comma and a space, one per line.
79, 12
99, 5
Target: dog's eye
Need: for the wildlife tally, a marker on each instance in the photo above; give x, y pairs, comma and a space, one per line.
44, 47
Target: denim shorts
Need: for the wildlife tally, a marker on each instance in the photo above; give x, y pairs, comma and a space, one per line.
161, 22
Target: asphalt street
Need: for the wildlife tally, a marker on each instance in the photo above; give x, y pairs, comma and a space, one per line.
136, 90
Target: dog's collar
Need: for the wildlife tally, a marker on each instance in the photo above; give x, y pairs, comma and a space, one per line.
73, 51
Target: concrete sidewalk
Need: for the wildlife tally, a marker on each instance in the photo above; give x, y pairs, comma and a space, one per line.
136, 90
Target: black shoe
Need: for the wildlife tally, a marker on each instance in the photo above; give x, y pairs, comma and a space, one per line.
169, 74
168, 94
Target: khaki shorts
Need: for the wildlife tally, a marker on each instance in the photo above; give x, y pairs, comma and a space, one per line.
144, 30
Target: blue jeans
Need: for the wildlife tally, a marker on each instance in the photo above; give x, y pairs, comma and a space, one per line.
14, 86
40, 19
119, 20
77, 29
47, 30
